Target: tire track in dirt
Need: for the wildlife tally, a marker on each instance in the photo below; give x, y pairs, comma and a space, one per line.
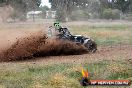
104, 53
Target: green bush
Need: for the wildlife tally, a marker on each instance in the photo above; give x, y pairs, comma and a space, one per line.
128, 17
111, 14
79, 15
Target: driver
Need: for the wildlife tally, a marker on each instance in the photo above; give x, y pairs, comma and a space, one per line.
63, 31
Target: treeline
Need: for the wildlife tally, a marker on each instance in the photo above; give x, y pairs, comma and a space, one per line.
69, 10
21, 7
86, 9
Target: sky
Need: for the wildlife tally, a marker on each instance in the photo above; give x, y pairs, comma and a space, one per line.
46, 2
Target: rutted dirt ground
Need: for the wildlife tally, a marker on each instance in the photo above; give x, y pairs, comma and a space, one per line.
8, 37
107, 53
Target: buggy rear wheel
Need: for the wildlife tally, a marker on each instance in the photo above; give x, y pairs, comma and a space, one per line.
92, 46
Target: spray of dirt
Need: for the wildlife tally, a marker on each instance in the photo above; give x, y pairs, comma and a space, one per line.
24, 48
37, 45
60, 47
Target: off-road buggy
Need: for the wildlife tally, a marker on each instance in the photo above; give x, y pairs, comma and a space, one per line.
64, 34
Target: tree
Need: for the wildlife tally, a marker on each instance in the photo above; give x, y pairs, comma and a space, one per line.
64, 8
22, 6
130, 6
44, 9
122, 5
111, 14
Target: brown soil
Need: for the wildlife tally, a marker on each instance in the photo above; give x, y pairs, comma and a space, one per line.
116, 52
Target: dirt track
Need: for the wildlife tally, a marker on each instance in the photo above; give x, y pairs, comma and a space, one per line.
8, 37
107, 53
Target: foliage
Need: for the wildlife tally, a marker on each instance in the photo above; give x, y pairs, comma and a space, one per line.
44, 9
60, 16
111, 14
65, 8
122, 5
79, 15
22, 4
128, 17
21, 7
